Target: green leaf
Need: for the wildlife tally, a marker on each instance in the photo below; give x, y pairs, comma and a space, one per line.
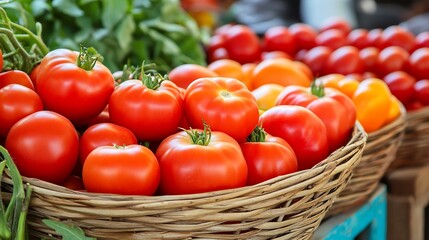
67, 7
124, 32
68, 232
113, 12
39, 7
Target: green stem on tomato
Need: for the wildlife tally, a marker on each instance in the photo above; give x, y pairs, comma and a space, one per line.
87, 58
202, 138
257, 135
317, 89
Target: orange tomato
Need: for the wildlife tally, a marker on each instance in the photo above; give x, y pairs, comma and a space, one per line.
395, 110
280, 71
340, 82
183, 75
227, 68
266, 95
248, 74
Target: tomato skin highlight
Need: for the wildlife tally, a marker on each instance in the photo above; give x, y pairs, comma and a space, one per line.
191, 168
127, 170
44, 145
302, 129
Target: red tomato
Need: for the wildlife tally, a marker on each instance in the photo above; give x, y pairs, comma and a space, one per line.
344, 60
332, 38
304, 34
336, 23
44, 145
369, 57
414, 106
374, 37
421, 89
127, 170
184, 74
151, 114
74, 182
220, 53
222, 103
359, 38
278, 38
17, 77
216, 48
33, 74
316, 59
275, 54
391, 59
17, 102
302, 129
419, 63
267, 157
422, 40
335, 109
242, 44
202, 163
71, 88
401, 84
104, 134
398, 36
1, 61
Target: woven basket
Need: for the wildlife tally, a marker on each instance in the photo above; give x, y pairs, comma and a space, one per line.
380, 151
286, 207
414, 150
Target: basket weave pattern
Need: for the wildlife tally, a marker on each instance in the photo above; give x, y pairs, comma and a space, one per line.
286, 207
380, 151
414, 150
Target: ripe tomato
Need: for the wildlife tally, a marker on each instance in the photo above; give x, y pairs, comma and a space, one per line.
70, 87
44, 145
422, 40
74, 182
392, 59
275, 54
398, 36
359, 38
304, 34
242, 44
247, 69
227, 68
222, 103
335, 109
128, 170
344, 60
336, 23
419, 63
1, 61
104, 134
332, 38
278, 38
369, 57
17, 77
374, 37
316, 59
266, 95
267, 156
401, 85
200, 161
302, 129
421, 89
16, 102
183, 75
151, 112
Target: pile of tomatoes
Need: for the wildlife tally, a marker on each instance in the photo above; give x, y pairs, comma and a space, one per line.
393, 54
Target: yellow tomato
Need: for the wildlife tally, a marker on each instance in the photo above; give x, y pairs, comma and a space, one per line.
394, 111
266, 95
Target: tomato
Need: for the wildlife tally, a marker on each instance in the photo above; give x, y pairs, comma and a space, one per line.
369, 57
150, 108
275, 54
227, 68
336, 23
74, 182
421, 89
33, 74
266, 95
1, 60
414, 106
104, 134
316, 59
127, 170
222, 103
78, 90
278, 38
332, 38
392, 59
401, 84
302, 129
279, 71
422, 40
267, 156
419, 63
215, 42
184, 74
242, 44
17, 77
44, 145
17, 102
344, 60
335, 109
247, 69
200, 160
358, 38
219, 53
398, 36
374, 37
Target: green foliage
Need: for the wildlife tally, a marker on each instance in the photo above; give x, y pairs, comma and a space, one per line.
154, 31
68, 232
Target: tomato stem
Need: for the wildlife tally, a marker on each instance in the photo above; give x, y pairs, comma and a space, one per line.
317, 89
202, 138
257, 135
88, 57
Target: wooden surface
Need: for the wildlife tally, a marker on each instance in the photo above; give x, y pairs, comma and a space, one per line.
370, 217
